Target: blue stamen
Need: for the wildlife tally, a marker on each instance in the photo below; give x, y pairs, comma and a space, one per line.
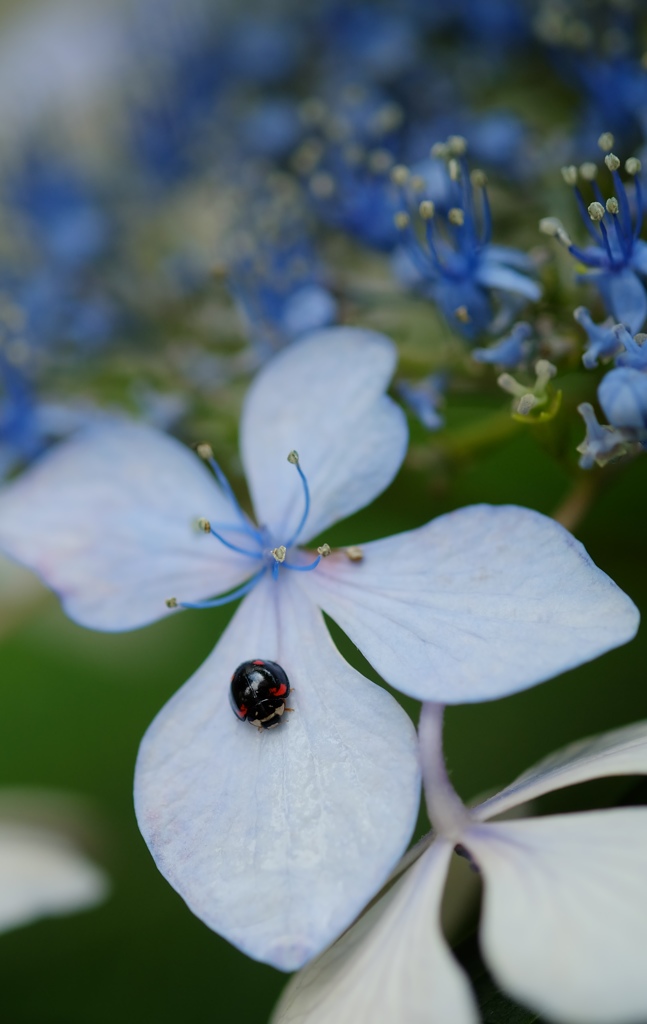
306, 491
275, 571
303, 568
623, 242
234, 547
216, 602
487, 218
588, 223
607, 244
623, 203
226, 487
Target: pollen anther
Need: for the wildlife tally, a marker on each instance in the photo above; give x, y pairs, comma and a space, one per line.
324, 550
279, 553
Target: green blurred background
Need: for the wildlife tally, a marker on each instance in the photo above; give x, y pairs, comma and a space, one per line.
74, 705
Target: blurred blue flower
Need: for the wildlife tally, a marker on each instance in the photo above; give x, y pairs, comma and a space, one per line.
601, 443
456, 264
62, 214
423, 398
603, 338
617, 260
21, 435
279, 290
511, 351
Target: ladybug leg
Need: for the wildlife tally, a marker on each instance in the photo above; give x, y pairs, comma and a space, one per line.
288, 709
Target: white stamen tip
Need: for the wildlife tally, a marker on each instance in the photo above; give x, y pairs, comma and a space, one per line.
293, 457
569, 174
204, 525
457, 145
279, 553
456, 216
478, 178
426, 209
588, 171
171, 602
454, 169
605, 142
205, 451
439, 151
354, 553
401, 220
324, 550
612, 161
612, 205
418, 183
596, 211
400, 174
633, 166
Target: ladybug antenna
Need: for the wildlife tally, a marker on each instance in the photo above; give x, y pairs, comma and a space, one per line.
293, 458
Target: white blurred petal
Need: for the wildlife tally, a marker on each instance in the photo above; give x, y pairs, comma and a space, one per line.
323, 396
43, 875
620, 752
278, 840
477, 604
393, 965
107, 519
564, 925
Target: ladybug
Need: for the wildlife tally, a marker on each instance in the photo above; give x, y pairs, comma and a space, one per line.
258, 692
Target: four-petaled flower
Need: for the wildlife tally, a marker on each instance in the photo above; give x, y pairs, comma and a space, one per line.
563, 924
277, 840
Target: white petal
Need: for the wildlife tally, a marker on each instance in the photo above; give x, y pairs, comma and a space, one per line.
278, 840
620, 752
564, 926
107, 519
324, 397
393, 965
42, 875
481, 602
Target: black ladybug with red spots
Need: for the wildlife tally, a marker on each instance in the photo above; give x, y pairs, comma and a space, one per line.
258, 693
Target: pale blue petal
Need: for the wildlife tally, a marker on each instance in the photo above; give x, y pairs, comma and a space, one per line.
496, 275
627, 298
481, 602
639, 257
622, 395
324, 397
107, 519
393, 965
564, 927
620, 752
510, 257
277, 840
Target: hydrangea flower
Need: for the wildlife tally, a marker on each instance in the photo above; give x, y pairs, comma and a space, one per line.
511, 351
563, 925
617, 260
477, 285
603, 338
622, 394
277, 840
